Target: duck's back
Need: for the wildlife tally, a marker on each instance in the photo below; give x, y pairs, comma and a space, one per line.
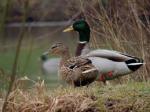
109, 54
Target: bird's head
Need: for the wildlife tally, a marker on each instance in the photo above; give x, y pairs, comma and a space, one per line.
82, 27
58, 49
44, 57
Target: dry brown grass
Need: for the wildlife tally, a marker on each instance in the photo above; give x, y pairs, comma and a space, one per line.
24, 102
38, 99
121, 98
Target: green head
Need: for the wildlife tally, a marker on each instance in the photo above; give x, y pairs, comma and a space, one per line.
83, 28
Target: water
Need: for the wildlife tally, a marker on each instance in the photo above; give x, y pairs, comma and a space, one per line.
36, 41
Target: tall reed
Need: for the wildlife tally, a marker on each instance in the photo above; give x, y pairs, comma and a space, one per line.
15, 64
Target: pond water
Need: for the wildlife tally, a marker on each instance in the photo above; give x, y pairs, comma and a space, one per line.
35, 42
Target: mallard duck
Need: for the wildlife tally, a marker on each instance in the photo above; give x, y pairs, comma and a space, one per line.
77, 71
49, 66
111, 64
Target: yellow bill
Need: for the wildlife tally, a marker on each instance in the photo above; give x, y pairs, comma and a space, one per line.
70, 28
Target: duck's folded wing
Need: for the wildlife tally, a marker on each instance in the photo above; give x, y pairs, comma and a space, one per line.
77, 62
110, 54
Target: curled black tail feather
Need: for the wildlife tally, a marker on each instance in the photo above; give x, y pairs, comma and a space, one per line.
134, 64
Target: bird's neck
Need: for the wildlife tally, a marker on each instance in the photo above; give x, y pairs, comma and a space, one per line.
84, 38
82, 48
65, 56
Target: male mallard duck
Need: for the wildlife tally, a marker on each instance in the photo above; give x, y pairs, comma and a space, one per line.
111, 64
77, 71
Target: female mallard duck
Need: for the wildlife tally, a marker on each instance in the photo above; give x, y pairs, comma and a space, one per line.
111, 64
77, 71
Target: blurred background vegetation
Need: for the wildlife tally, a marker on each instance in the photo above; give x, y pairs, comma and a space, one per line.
119, 25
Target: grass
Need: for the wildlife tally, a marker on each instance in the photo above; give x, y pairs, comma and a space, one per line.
133, 96
128, 97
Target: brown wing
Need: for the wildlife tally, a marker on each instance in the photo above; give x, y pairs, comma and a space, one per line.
77, 62
79, 71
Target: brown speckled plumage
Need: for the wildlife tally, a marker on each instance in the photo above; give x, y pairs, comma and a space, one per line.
76, 71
